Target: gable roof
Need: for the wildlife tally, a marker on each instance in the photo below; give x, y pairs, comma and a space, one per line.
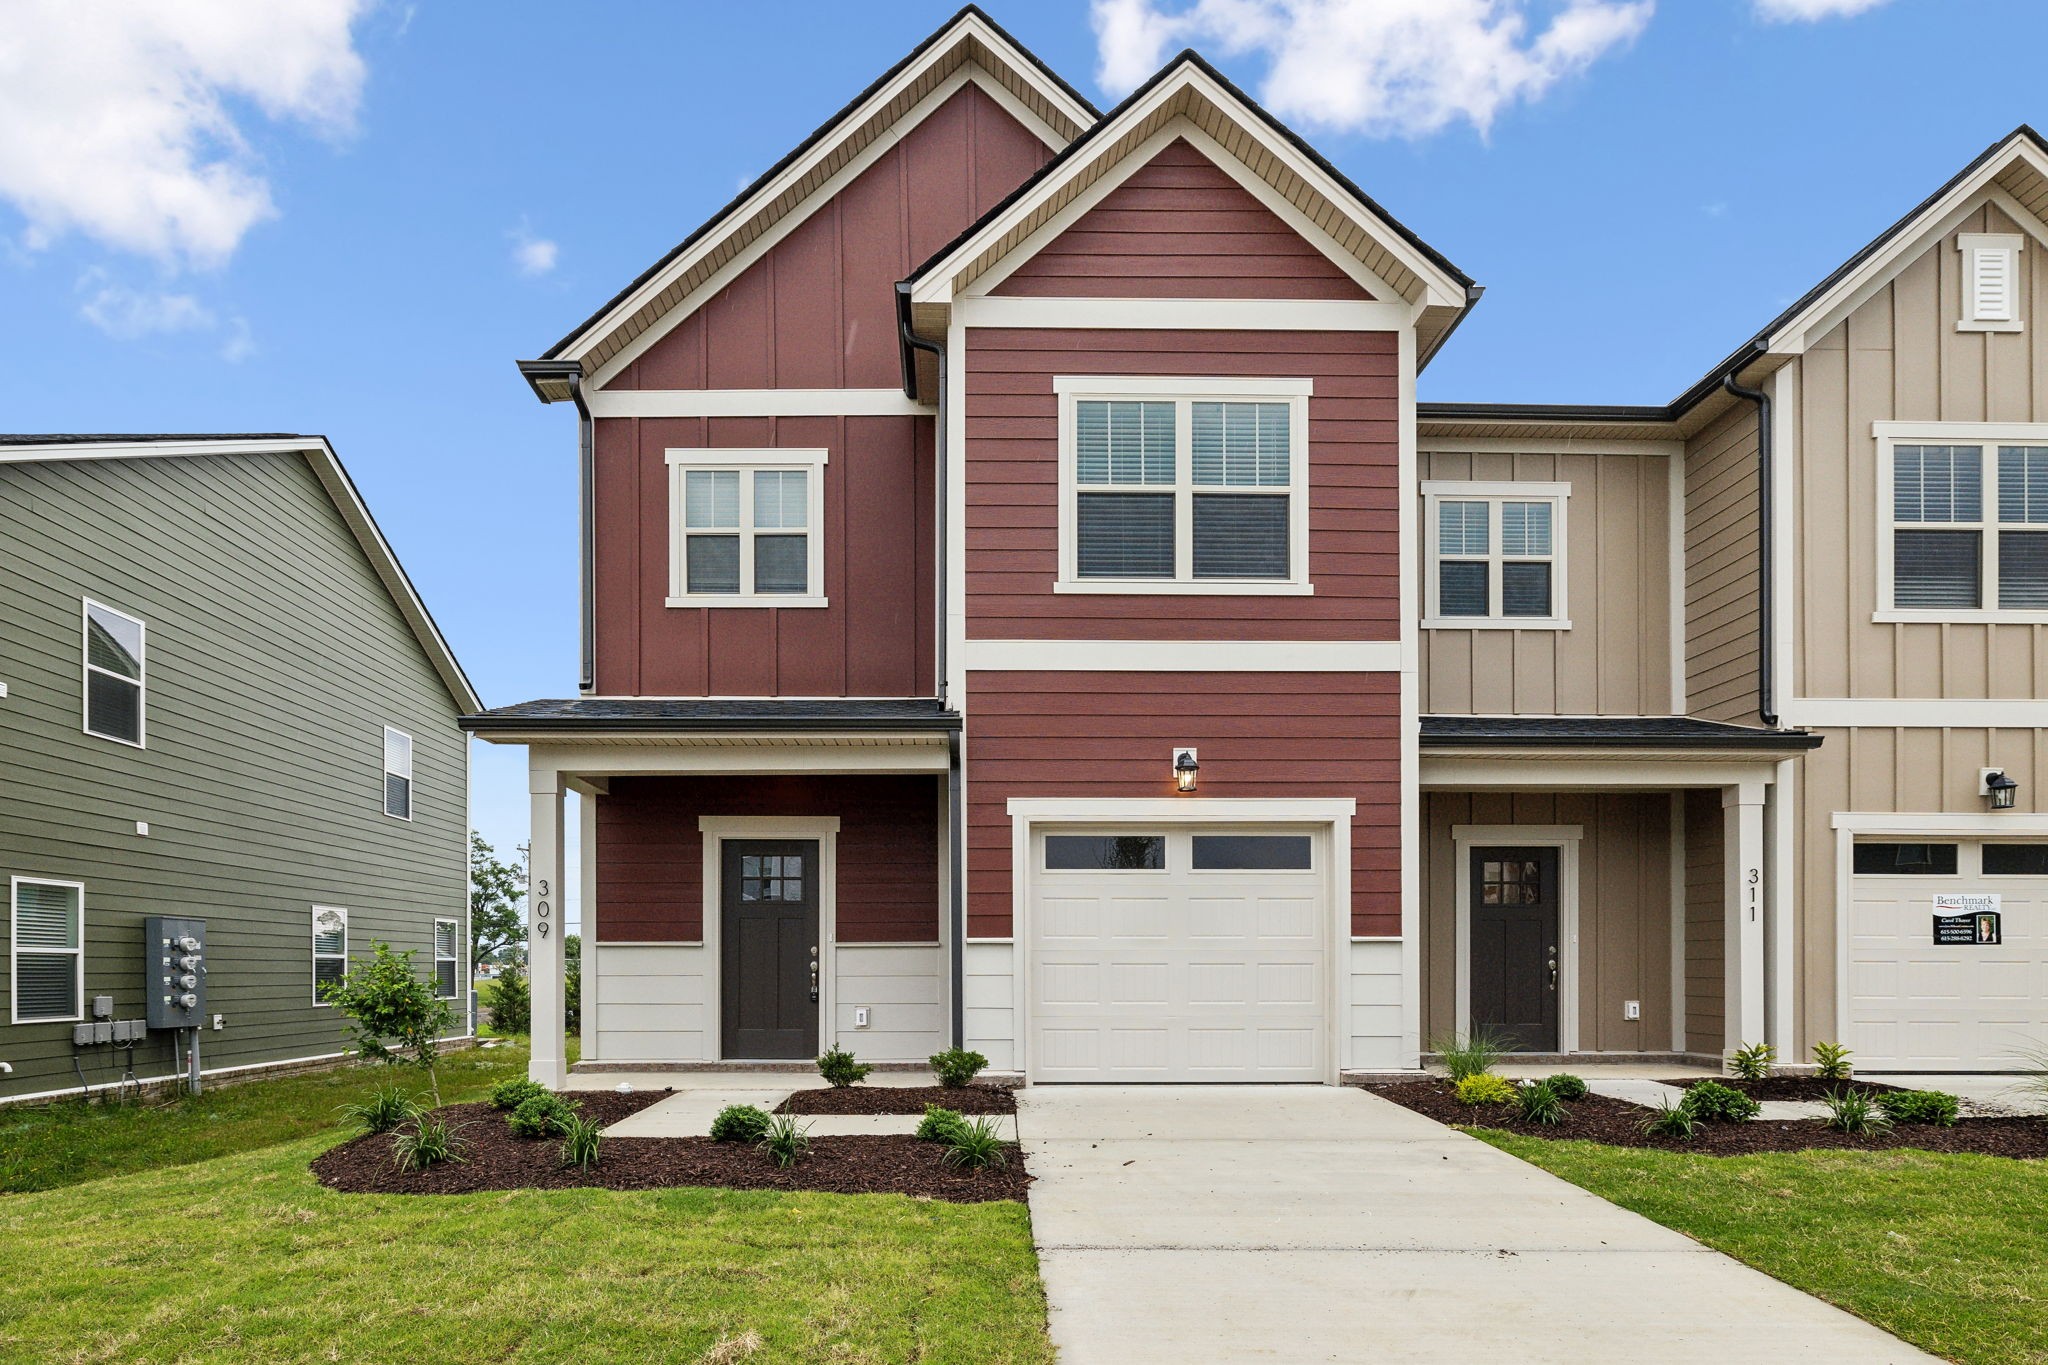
326, 466
969, 39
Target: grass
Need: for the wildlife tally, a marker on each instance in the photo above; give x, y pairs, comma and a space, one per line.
1948, 1252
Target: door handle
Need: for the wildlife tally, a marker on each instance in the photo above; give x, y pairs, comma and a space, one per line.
814, 974
1553, 969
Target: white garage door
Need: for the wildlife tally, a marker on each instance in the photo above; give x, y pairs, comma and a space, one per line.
1916, 1004
1178, 955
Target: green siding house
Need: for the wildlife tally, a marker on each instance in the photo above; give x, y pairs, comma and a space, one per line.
221, 700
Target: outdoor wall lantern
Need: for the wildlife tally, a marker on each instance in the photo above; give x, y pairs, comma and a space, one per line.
1185, 767
2000, 788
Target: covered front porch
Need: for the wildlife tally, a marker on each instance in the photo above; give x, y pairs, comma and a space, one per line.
1611, 888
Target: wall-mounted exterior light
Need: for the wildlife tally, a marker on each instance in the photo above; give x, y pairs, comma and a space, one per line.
1184, 769
2000, 788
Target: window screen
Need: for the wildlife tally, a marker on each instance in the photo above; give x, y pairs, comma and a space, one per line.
397, 773
49, 950
1241, 536
1936, 568
1525, 589
1251, 852
1461, 588
1124, 535
1105, 852
1905, 860
113, 674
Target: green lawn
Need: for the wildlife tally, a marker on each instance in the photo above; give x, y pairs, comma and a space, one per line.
1948, 1252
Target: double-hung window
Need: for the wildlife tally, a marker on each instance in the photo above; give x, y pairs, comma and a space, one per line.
49, 950
1183, 485
746, 528
397, 773
1963, 523
447, 940
1495, 554
330, 949
114, 680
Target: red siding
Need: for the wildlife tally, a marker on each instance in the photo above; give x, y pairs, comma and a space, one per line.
818, 311
1012, 537
874, 639
650, 857
1260, 735
1180, 227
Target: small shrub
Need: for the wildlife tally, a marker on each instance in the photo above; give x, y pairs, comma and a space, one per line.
957, 1066
508, 1001
786, 1141
1852, 1111
740, 1123
1753, 1062
1713, 1102
393, 1013
1919, 1106
432, 1141
544, 1115
1485, 1088
1672, 1121
939, 1124
1540, 1104
839, 1067
977, 1144
580, 1140
1567, 1086
384, 1110
509, 1095
1831, 1061
1472, 1054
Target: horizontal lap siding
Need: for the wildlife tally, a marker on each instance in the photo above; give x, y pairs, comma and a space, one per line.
1260, 735
650, 856
1722, 578
1012, 492
1180, 227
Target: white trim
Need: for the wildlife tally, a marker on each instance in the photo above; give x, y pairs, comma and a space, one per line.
1181, 810
627, 756
1781, 909
1436, 444
1190, 315
1786, 462
1407, 508
1496, 493
754, 403
456, 958
1183, 656
384, 797
87, 668
1563, 838
15, 951
748, 464
1975, 247
716, 829
318, 956
1915, 712
1987, 437
1674, 552
1180, 386
1677, 915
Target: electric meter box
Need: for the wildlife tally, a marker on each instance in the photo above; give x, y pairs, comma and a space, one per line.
174, 971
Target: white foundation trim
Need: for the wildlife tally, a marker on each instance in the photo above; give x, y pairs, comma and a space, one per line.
716, 829
1915, 712
754, 403
1185, 656
1563, 838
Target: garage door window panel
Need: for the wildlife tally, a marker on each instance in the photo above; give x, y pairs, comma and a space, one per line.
1905, 860
2016, 860
1252, 852
1105, 852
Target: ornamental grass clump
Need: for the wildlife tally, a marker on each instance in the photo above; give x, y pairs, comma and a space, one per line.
1540, 1104
1753, 1062
1933, 1107
1853, 1111
1713, 1102
839, 1067
385, 1110
740, 1123
1484, 1089
432, 1141
786, 1141
976, 1144
581, 1138
1831, 1061
1672, 1120
1471, 1054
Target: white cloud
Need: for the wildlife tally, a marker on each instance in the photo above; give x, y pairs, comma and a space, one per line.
532, 256
128, 314
1806, 11
116, 116
1382, 67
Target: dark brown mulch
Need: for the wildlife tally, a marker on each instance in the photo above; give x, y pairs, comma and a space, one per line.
1596, 1118
1786, 1087
900, 1099
495, 1160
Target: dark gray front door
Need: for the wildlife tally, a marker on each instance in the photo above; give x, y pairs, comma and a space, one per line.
769, 954
1515, 943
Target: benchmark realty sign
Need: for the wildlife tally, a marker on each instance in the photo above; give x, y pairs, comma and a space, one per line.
1968, 918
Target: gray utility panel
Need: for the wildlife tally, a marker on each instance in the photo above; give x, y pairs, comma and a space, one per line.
174, 971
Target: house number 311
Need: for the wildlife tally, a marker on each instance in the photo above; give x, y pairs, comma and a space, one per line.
540, 908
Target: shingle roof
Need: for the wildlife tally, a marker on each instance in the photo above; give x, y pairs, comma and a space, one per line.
134, 438
645, 715
1632, 732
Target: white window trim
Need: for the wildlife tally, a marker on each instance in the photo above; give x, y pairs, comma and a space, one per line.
455, 927
1971, 245
342, 956
1988, 436
1558, 495
746, 462
411, 788
14, 885
1185, 392
88, 668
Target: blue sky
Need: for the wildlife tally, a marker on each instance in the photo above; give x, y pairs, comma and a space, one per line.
406, 198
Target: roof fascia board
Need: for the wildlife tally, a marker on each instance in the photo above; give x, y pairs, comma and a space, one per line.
1430, 444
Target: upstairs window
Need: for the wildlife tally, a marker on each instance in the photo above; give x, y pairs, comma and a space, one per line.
114, 680
746, 528
397, 773
1183, 485
447, 981
49, 950
1963, 531
1495, 555
1991, 281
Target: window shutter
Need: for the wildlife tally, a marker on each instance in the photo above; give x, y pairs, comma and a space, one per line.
1991, 284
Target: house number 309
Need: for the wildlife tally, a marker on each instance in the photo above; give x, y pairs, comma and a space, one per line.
540, 907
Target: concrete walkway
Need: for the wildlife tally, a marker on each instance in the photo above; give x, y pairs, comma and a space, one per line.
1192, 1224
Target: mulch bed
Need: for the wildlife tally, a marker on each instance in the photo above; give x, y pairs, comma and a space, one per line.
496, 1160
900, 1099
1596, 1118
1787, 1087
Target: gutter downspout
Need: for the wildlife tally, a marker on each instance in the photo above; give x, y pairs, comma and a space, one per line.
586, 460
956, 797
1766, 699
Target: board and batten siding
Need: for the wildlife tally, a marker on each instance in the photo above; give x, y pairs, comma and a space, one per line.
1012, 484
1616, 658
1706, 922
275, 658
1260, 735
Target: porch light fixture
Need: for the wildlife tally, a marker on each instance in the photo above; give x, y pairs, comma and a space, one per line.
1185, 768
2000, 788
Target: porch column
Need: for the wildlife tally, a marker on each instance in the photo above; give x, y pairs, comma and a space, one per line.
1742, 810
544, 956
1780, 878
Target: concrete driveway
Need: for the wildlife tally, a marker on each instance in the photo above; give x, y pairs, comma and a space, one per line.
1306, 1223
